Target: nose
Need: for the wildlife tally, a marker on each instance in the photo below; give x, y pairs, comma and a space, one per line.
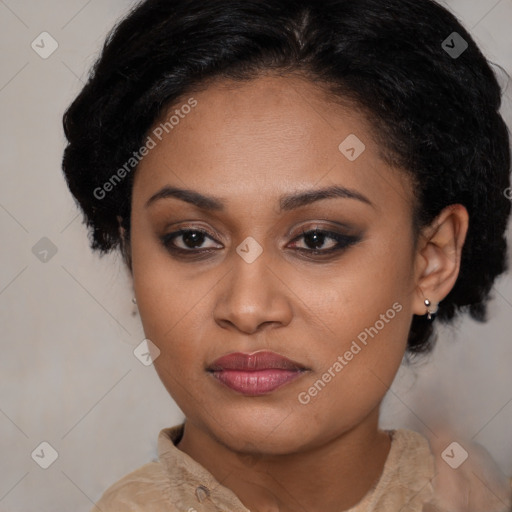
252, 297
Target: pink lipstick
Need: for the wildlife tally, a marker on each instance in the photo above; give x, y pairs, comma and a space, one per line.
255, 374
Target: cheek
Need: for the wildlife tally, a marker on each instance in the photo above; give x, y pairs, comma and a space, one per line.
365, 286
163, 297
356, 371
367, 318
174, 304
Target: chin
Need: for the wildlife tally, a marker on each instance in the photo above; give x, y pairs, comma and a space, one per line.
260, 431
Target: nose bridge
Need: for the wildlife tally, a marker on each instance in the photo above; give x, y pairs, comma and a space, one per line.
252, 293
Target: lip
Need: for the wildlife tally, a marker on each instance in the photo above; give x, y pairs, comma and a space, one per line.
262, 360
255, 374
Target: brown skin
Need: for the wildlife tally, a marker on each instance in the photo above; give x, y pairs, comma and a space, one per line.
247, 145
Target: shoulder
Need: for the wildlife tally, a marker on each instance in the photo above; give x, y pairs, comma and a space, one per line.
467, 478
145, 489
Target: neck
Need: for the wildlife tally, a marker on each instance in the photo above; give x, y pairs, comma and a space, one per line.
331, 476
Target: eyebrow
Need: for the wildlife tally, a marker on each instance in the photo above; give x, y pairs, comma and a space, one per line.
286, 202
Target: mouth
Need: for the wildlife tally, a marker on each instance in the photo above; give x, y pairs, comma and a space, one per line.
255, 374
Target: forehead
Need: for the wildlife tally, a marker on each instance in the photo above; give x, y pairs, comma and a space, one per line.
268, 135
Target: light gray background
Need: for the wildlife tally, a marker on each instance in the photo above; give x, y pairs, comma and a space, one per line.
68, 373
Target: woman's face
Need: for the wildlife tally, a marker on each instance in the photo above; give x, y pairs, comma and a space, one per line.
258, 151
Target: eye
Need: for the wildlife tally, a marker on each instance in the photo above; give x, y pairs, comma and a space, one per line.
191, 240
316, 239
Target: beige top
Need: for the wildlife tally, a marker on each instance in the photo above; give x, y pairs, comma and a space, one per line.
413, 480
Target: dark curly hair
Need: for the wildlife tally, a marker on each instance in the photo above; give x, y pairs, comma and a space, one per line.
435, 114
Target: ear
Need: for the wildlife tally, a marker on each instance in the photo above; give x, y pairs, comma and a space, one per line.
438, 256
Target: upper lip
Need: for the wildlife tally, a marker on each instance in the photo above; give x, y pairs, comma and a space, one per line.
263, 360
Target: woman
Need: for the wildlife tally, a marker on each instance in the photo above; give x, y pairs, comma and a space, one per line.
299, 189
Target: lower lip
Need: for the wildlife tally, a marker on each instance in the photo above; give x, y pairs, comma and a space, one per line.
254, 383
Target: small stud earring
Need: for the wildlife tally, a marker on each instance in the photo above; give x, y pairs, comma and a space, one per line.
430, 311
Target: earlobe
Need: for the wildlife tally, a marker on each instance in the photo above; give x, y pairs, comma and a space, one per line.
438, 258
431, 309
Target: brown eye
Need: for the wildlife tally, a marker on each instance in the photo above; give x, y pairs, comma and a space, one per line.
315, 241
192, 240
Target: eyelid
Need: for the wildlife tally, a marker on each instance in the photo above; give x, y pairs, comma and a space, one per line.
338, 229
321, 224
187, 226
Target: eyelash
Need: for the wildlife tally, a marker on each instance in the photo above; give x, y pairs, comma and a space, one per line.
343, 242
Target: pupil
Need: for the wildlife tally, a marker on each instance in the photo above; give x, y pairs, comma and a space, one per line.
193, 237
316, 238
